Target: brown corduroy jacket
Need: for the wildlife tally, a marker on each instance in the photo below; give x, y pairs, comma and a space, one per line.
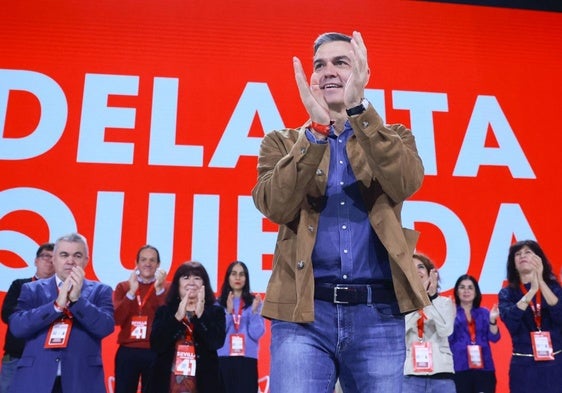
292, 177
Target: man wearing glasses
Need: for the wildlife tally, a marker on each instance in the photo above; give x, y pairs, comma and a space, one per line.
13, 347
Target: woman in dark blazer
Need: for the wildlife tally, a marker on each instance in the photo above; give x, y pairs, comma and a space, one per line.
189, 317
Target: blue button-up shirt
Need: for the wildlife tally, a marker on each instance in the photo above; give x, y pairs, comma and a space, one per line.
347, 250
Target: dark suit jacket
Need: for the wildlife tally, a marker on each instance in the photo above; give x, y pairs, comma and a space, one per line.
81, 361
209, 333
13, 346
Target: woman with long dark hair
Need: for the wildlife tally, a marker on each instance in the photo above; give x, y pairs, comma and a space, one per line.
238, 358
186, 333
475, 327
531, 310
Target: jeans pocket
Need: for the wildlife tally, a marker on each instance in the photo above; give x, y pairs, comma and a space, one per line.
388, 310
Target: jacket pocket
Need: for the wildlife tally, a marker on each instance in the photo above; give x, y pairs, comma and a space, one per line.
26, 361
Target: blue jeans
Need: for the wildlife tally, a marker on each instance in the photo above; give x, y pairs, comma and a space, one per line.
413, 384
362, 345
7, 374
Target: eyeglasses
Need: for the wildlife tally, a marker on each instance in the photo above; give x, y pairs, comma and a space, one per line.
46, 256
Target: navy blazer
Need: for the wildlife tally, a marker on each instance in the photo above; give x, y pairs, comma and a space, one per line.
81, 361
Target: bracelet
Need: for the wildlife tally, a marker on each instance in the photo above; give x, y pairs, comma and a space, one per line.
432, 298
493, 323
320, 128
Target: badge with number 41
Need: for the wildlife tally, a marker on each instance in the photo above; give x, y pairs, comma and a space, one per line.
138, 327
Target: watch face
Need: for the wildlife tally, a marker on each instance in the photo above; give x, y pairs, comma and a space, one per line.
365, 103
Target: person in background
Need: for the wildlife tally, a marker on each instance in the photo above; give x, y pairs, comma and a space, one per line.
475, 328
342, 271
186, 333
135, 302
63, 320
429, 361
531, 309
13, 347
238, 358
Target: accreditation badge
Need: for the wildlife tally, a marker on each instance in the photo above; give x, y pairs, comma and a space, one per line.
185, 363
237, 344
58, 334
542, 346
139, 324
474, 353
422, 357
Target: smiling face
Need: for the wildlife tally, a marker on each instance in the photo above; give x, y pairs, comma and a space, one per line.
466, 292
190, 285
147, 264
331, 70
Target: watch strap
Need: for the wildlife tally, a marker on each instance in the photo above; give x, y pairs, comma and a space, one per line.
357, 110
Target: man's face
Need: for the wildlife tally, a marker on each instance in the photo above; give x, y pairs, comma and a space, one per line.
44, 264
331, 70
67, 255
147, 263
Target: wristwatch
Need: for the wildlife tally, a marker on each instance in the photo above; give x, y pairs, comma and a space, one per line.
357, 110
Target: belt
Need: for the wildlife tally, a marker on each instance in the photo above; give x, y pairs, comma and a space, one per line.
354, 293
531, 355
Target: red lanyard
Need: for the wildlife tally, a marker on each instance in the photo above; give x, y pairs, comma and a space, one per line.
535, 306
188, 330
237, 317
472, 330
421, 323
142, 302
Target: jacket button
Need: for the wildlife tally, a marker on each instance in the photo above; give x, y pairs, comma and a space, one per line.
319, 172
303, 150
300, 265
310, 228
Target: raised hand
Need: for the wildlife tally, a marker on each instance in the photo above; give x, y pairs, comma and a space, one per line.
256, 303
354, 89
230, 302
311, 95
160, 277
133, 283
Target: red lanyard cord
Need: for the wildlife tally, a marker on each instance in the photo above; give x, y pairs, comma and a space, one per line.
421, 320
142, 302
535, 306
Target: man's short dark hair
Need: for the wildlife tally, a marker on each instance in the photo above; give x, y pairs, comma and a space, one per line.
44, 247
330, 37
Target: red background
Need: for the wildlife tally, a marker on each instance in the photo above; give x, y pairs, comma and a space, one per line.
216, 48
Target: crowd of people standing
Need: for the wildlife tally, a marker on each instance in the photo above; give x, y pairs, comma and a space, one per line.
180, 336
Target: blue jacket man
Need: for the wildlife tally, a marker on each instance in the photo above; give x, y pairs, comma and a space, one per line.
63, 320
